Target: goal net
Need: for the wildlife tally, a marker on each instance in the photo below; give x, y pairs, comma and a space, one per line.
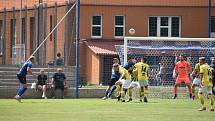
18, 54
162, 54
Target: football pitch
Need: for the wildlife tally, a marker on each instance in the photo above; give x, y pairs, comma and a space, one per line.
102, 110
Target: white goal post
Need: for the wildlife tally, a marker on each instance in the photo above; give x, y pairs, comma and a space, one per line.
126, 39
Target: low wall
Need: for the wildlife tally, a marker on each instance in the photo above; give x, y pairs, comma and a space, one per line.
154, 92
31, 93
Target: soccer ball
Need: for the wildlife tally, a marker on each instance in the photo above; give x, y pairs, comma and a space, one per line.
131, 31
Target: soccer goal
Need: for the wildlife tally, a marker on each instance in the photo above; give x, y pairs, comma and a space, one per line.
162, 54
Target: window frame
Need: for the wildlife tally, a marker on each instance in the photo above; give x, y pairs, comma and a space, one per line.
123, 26
1, 36
92, 36
169, 25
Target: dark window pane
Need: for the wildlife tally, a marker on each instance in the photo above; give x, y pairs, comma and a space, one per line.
175, 27
164, 21
32, 32
51, 22
152, 26
96, 31
96, 20
23, 30
119, 20
1, 35
119, 31
213, 24
12, 34
1, 28
164, 32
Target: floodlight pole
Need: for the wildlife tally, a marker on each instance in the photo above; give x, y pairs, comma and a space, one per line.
77, 45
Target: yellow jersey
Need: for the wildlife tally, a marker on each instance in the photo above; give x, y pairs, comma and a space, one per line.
142, 71
206, 72
123, 71
197, 69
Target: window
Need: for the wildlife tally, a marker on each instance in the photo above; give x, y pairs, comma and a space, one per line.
32, 32
51, 27
164, 26
96, 27
213, 24
153, 26
175, 27
1, 36
119, 26
23, 31
12, 34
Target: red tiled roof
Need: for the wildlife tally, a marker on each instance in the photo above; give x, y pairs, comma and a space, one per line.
148, 2
30, 3
103, 47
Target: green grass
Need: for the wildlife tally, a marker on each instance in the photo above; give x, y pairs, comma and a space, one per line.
100, 110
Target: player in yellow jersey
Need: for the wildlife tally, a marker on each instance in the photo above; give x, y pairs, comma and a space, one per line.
196, 81
141, 71
124, 80
206, 84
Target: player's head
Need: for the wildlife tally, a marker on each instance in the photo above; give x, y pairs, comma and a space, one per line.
59, 70
115, 60
116, 67
213, 60
182, 57
32, 59
143, 59
42, 71
58, 54
202, 60
130, 60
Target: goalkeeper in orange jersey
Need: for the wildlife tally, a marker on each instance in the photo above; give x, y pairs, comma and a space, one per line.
181, 69
206, 84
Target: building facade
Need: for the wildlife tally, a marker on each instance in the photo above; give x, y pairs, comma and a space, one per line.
103, 24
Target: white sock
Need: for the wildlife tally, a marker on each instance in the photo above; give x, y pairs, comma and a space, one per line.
43, 95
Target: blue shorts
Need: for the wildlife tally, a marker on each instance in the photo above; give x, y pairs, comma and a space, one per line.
22, 79
113, 81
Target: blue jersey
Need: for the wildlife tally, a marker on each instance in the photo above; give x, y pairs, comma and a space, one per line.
25, 66
115, 75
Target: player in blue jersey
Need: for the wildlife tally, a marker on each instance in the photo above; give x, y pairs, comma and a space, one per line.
24, 70
213, 74
115, 75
